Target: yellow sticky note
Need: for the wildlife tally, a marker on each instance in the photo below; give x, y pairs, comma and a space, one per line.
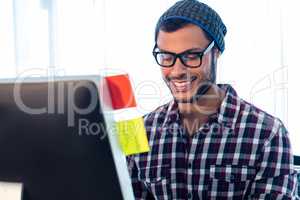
132, 136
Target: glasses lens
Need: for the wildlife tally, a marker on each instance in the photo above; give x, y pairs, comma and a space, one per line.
165, 59
192, 59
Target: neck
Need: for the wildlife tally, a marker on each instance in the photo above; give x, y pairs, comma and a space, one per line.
194, 114
206, 105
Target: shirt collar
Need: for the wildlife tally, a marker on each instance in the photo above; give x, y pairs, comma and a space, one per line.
230, 107
227, 113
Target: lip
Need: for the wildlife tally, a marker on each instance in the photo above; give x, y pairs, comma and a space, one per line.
182, 85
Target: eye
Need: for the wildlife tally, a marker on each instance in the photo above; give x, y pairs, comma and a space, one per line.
191, 56
166, 57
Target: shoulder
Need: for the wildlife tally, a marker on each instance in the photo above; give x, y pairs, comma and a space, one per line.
153, 121
247, 117
157, 117
256, 119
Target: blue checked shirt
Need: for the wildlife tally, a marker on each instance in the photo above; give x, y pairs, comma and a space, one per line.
240, 153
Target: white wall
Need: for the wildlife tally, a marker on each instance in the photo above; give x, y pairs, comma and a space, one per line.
72, 37
95, 36
292, 44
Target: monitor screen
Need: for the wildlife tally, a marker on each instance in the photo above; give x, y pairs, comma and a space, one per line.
53, 139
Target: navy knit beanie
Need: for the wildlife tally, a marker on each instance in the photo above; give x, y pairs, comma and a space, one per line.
199, 14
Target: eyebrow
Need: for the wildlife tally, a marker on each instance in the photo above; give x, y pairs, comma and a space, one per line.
197, 49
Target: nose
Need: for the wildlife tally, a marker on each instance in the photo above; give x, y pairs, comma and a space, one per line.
178, 68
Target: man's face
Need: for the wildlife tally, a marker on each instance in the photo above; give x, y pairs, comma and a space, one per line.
183, 81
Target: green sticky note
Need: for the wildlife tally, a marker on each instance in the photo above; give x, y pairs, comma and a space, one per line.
132, 136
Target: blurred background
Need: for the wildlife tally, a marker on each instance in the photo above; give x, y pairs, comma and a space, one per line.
84, 37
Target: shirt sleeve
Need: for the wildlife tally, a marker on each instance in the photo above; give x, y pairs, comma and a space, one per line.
276, 177
139, 189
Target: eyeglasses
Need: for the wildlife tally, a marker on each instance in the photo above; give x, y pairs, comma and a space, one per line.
191, 59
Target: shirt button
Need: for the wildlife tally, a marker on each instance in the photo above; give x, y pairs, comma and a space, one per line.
190, 165
232, 177
189, 195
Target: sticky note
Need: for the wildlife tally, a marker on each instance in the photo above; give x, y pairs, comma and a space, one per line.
132, 136
120, 91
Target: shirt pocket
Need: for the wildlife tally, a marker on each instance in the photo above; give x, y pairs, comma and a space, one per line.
157, 180
230, 181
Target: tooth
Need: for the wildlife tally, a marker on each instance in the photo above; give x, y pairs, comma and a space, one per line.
182, 84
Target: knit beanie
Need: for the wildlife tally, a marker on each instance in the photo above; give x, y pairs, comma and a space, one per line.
199, 14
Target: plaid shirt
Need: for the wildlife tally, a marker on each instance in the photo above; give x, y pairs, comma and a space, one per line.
240, 153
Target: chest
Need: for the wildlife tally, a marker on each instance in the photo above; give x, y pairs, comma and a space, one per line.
208, 161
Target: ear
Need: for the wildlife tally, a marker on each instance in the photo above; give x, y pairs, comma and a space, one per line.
217, 52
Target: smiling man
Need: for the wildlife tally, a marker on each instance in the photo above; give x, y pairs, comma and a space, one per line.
207, 143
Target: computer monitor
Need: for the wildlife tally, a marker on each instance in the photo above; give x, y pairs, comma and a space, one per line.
54, 139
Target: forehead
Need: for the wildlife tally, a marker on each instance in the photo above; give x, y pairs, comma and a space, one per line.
188, 37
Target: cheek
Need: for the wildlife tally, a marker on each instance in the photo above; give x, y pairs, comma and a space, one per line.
199, 72
205, 68
165, 72
206, 71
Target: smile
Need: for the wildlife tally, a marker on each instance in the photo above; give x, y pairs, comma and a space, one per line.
182, 86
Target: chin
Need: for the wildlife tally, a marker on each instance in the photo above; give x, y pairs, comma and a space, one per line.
184, 98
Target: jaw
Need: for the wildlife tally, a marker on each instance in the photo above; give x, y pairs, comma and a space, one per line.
206, 101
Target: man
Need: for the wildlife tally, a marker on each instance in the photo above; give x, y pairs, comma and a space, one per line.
207, 143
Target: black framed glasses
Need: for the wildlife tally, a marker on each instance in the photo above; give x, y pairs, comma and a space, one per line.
189, 58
